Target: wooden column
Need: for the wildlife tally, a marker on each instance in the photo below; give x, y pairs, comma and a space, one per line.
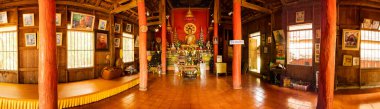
47, 63
327, 65
142, 45
216, 21
163, 35
237, 35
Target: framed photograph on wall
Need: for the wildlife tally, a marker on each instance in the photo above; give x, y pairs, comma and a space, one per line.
116, 42
356, 61
102, 24
128, 28
117, 28
137, 41
3, 17
59, 38
318, 33
300, 16
351, 39
367, 24
80, 21
101, 41
58, 20
30, 39
375, 24
28, 19
347, 60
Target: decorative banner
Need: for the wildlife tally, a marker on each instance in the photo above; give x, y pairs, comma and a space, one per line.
236, 42
215, 40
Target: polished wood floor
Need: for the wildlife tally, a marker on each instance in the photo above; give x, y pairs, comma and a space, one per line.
211, 92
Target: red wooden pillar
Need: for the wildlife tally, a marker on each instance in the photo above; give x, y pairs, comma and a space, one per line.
142, 45
47, 63
216, 21
163, 34
328, 43
237, 35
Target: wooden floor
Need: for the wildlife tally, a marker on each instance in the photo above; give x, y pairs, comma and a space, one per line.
65, 90
211, 92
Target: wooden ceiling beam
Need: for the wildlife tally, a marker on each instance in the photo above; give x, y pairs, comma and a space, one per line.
256, 7
97, 8
125, 7
98, 2
154, 23
170, 4
123, 1
152, 18
283, 2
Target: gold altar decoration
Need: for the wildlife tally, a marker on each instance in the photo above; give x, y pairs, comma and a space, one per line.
9, 103
189, 14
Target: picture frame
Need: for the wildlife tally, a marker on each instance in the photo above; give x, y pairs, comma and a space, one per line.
215, 40
30, 39
28, 19
351, 39
317, 58
137, 41
318, 33
3, 17
367, 23
375, 24
101, 41
317, 52
58, 19
279, 36
356, 61
116, 42
128, 28
347, 60
80, 21
269, 40
117, 28
102, 24
59, 38
300, 16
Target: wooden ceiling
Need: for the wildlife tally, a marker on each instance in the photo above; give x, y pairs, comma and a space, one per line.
128, 8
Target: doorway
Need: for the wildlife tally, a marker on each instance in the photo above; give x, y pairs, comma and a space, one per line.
254, 52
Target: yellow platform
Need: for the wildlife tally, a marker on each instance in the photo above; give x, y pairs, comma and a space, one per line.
25, 96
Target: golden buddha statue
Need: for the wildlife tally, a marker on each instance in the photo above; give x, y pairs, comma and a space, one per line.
190, 39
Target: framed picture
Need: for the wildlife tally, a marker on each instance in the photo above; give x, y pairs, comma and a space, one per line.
58, 19
80, 21
300, 16
30, 39
128, 28
318, 33
3, 17
351, 39
28, 19
101, 41
137, 41
375, 24
117, 42
367, 24
102, 24
279, 36
59, 38
317, 58
356, 61
117, 28
347, 60
269, 40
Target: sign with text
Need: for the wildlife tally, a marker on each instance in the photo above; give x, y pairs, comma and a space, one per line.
237, 42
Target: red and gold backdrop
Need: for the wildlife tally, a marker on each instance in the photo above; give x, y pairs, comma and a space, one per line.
201, 20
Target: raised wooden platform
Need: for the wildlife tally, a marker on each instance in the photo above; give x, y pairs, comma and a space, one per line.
25, 96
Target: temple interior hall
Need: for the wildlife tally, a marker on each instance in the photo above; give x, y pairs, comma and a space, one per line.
189, 54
